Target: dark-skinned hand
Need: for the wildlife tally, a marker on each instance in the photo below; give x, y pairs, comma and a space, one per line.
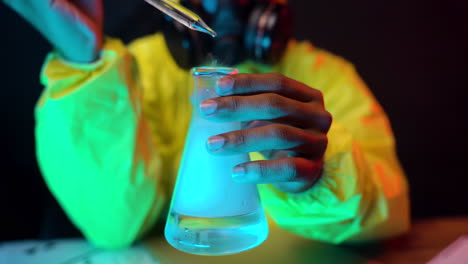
283, 119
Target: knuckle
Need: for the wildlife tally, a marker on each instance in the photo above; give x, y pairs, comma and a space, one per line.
290, 169
240, 76
277, 81
230, 102
279, 131
318, 117
322, 144
326, 121
317, 96
275, 105
237, 138
314, 146
261, 169
244, 80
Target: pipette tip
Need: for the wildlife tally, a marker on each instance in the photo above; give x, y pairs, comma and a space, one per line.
201, 26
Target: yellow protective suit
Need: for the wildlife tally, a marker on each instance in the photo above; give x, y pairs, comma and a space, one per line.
110, 136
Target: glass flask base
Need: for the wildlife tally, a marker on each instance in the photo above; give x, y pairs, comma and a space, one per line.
216, 236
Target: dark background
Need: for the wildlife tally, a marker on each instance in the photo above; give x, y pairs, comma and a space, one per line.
412, 54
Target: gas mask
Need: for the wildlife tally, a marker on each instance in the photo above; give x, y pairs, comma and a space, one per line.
256, 30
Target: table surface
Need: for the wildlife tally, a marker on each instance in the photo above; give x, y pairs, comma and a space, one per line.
425, 240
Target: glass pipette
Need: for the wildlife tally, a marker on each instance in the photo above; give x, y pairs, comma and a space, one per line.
182, 15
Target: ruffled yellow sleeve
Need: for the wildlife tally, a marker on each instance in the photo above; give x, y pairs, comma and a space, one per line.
94, 147
362, 193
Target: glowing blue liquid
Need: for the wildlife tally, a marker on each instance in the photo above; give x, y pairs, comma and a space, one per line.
210, 213
205, 187
216, 236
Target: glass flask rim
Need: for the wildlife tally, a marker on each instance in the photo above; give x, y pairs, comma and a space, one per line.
212, 71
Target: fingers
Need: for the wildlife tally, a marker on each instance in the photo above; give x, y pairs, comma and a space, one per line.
267, 82
267, 106
268, 137
287, 174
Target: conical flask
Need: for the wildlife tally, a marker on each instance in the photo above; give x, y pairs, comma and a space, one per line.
210, 214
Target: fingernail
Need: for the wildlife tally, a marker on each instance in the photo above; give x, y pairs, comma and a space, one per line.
208, 107
225, 85
238, 173
215, 142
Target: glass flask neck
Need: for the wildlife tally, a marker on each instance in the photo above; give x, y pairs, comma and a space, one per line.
204, 80
212, 72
